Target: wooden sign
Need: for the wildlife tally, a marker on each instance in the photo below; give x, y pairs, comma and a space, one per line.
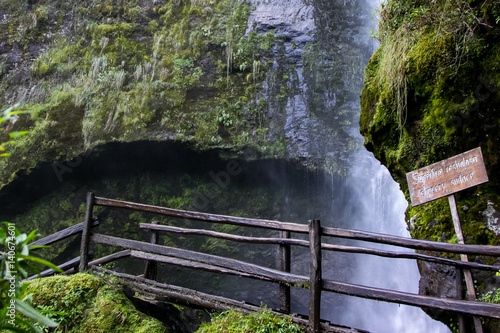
447, 177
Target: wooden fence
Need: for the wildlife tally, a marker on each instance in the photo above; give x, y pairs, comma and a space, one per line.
315, 282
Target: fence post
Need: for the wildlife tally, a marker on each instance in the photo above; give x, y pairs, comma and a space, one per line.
315, 275
151, 270
87, 226
471, 292
460, 290
284, 266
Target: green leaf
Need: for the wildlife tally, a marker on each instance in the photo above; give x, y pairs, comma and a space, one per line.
34, 328
17, 134
34, 247
22, 271
10, 328
32, 235
25, 265
4, 155
42, 262
12, 113
29, 312
3, 313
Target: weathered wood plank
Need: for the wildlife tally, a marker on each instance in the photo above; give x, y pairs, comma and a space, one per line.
186, 296
65, 266
104, 260
221, 235
284, 265
446, 177
487, 250
84, 247
267, 224
471, 291
301, 228
63, 234
406, 255
330, 247
467, 307
110, 258
151, 269
272, 274
196, 265
315, 276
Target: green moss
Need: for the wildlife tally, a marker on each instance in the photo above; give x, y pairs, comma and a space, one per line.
131, 71
263, 321
87, 304
430, 94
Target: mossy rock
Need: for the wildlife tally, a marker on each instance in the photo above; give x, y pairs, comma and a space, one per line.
88, 304
122, 72
432, 91
430, 95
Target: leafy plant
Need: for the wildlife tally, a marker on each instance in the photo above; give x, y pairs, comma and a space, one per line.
492, 296
16, 313
6, 115
257, 322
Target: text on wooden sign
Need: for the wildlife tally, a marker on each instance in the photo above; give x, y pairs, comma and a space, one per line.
447, 177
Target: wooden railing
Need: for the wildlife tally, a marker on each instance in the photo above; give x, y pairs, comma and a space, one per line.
154, 253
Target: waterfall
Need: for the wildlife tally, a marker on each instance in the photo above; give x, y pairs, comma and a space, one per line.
321, 123
382, 206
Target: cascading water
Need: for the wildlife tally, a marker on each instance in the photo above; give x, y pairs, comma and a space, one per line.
380, 208
323, 38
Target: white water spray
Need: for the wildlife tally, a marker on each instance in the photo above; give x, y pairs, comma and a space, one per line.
316, 126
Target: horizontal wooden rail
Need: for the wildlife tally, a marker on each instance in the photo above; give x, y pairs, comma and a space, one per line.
69, 266
468, 307
241, 221
236, 265
63, 234
104, 260
487, 250
196, 265
66, 266
403, 255
331, 247
209, 233
228, 266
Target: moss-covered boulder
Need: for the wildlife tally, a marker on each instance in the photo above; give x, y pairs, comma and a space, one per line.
432, 91
84, 303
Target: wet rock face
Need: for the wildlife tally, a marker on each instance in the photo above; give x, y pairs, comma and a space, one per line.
316, 74
293, 18
492, 218
439, 281
293, 93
